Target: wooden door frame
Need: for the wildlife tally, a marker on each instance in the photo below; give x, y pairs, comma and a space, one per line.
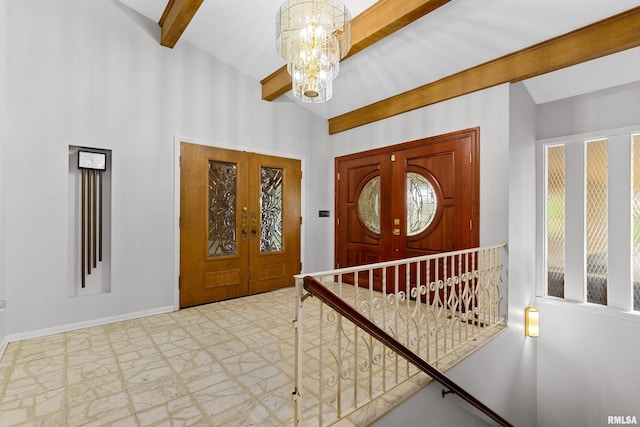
475, 183
177, 140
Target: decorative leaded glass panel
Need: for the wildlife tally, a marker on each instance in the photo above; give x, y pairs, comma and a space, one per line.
271, 209
635, 206
369, 205
421, 203
555, 221
596, 217
222, 208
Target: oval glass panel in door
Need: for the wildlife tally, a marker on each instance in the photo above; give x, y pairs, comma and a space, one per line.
369, 205
421, 203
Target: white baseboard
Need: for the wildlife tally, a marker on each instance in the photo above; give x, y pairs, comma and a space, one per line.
80, 325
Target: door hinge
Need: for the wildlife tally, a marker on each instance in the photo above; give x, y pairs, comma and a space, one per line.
338, 221
179, 222
179, 282
300, 220
180, 161
470, 224
300, 268
393, 157
338, 176
470, 158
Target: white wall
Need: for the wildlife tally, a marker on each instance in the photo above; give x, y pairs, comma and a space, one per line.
3, 162
616, 107
92, 73
452, 411
522, 248
502, 374
587, 366
587, 355
319, 185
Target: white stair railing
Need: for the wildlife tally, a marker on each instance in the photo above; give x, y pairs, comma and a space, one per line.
435, 305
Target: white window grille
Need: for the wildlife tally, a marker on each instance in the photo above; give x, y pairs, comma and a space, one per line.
590, 226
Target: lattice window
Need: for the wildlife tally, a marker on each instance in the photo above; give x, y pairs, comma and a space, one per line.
575, 180
555, 195
596, 221
635, 228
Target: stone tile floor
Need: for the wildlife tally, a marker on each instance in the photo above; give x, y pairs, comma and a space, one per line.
223, 364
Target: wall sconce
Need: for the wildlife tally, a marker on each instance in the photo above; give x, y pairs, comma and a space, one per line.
531, 328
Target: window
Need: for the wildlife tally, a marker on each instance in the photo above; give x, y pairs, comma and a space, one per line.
635, 227
591, 219
555, 220
596, 221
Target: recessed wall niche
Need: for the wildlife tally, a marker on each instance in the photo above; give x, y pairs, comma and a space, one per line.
89, 257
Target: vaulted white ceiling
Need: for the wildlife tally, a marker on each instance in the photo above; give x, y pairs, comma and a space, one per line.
457, 36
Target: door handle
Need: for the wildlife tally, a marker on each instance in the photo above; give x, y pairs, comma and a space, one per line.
254, 226
396, 231
244, 224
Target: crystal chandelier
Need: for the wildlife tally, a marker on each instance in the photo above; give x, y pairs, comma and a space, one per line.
313, 36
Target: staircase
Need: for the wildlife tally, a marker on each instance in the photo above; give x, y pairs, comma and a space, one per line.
369, 337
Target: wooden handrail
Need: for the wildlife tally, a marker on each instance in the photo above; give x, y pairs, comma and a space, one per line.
325, 295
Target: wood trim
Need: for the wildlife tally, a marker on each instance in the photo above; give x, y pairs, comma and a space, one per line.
375, 23
175, 19
611, 35
276, 84
386, 17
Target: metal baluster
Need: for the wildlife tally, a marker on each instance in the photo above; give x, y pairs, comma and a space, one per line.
384, 327
371, 349
355, 342
396, 311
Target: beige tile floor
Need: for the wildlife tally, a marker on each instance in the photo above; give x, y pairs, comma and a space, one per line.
223, 364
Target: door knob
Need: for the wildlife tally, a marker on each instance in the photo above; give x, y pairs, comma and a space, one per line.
396, 231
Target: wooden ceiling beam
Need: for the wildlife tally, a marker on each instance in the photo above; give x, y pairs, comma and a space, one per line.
375, 23
611, 35
175, 19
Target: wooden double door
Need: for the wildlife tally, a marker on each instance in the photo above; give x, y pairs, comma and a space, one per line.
239, 223
407, 200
